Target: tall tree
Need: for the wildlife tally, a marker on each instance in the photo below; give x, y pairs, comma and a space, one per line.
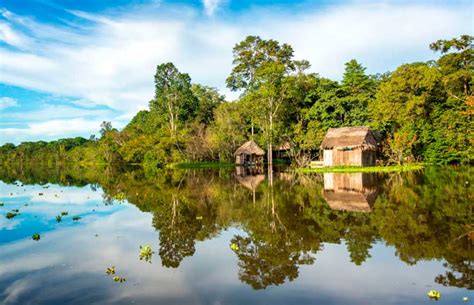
358, 90
259, 68
173, 96
457, 64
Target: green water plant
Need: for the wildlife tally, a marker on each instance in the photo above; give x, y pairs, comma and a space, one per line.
434, 295
11, 215
110, 270
234, 247
120, 197
1, 204
146, 253
76, 218
59, 218
35, 237
119, 279
64, 213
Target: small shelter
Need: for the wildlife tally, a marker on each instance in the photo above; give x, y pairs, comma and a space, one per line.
249, 154
349, 146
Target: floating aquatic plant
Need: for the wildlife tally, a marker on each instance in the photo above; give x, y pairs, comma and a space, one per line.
76, 218
433, 294
120, 197
1, 204
234, 247
59, 218
64, 213
36, 236
110, 270
11, 215
119, 279
146, 253
15, 210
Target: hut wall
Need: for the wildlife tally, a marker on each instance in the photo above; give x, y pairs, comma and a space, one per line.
347, 157
368, 158
328, 157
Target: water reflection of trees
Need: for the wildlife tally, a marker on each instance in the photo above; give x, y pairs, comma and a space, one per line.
423, 215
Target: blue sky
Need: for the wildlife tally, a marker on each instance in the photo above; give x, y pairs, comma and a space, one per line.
65, 66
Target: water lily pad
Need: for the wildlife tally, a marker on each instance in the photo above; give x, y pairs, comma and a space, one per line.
35, 236
64, 213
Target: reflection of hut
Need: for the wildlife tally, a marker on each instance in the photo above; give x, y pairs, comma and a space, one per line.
251, 182
249, 177
350, 192
249, 154
349, 146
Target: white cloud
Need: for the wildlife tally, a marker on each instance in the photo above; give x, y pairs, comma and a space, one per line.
210, 6
112, 59
6, 102
51, 129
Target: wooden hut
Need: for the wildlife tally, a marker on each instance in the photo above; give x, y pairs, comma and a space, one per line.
249, 154
349, 146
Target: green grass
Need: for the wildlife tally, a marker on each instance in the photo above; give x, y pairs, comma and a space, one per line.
362, 169
203, 165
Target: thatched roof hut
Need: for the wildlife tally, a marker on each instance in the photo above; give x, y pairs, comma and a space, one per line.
249, 153
249, 148
349, 146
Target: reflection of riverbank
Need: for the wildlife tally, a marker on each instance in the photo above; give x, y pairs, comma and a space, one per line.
350, 192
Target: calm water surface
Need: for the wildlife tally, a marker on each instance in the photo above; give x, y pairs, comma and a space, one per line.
231, 237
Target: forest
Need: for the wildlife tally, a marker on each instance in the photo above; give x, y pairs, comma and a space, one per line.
420, 112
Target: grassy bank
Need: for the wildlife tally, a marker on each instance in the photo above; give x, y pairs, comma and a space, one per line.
203, 165
362, 169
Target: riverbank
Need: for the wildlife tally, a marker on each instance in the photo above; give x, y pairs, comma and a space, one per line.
362, 169
201, 165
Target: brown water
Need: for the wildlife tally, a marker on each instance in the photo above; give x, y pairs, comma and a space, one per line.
231, 237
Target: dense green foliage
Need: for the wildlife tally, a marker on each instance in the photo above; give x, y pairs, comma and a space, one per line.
420, 112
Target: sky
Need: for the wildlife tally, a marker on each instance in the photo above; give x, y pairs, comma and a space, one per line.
66, 66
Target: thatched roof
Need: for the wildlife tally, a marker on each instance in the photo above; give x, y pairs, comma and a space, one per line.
250, 148
349, 137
